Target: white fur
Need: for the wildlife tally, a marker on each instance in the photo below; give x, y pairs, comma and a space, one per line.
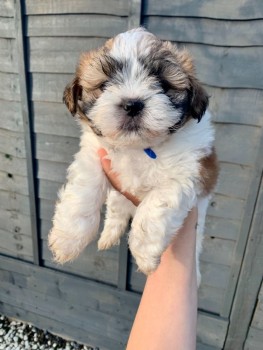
168, 186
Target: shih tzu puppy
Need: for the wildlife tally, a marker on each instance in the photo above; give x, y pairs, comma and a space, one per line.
138, 98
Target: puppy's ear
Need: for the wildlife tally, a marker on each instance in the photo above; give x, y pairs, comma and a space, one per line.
72, 94
198, 99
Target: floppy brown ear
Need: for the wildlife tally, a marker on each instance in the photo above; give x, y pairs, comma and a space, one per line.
72, 94
198, 99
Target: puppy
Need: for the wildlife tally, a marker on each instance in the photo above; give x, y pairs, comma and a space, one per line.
138, 98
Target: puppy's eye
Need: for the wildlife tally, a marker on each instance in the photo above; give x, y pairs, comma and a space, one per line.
102, 86
165, 85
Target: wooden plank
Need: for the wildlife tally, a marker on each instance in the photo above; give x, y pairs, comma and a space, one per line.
7, 8
12, 164
8, 55
7, 27
222, 227
15, 148
89, 320
12, 116
75, 25
248, 105
13, 183
218, 251
111, 7
99, 266
19, 256
65, 44
210, 299
46, 209
52, 171
9, 86
49, 87
206, 31
245, 227
257, 321
48, 189
226, 207
57, 286
240, 152
56, 148
52, 326
211, 330
254, 340
234, 180
15, 222
14, 202
200, 346
134, 19
250, 280
228, 67
223, 9
16, 243
54, 119
54, 61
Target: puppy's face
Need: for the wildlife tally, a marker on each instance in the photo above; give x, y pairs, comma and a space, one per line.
136, 90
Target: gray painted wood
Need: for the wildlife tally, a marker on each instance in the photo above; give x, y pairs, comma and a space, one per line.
254, 339
249, 281
218, 251
7, 27
14, 202
226, 207
240, 106
56, 148
113, 7
54, 119
211, 330
9, 87
14, 222
245, 227
11, 164
75, 25
257, 321
223, 9
91, 263
8, 55
49, 87
48, 189
210, 299
222, 227
11, 116
244, 152
234, 180
7, 8
134, 19
16, 243
52, 171
16, 147
60, 293
65, 44
206, 31
13, 183
228, 67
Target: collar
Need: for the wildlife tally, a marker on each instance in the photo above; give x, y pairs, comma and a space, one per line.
150, 153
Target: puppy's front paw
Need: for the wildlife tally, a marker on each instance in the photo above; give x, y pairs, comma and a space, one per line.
147, 265
63, 247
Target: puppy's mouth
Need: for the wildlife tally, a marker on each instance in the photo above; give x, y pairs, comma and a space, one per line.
131, 124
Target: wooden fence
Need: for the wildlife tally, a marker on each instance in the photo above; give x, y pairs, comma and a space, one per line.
95, 298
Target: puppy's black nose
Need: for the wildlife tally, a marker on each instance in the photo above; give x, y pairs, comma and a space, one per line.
133, 107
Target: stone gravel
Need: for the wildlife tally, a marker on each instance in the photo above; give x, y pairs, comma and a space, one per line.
16, 335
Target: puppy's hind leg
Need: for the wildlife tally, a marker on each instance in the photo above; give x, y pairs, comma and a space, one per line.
118, 214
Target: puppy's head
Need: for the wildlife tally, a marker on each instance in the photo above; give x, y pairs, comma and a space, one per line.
136, 90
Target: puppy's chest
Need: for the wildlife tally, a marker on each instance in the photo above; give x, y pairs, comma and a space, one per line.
139, 174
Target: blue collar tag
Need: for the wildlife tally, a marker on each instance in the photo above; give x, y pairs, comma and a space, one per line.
150, 153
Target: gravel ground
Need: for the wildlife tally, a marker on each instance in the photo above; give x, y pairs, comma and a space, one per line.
16, 335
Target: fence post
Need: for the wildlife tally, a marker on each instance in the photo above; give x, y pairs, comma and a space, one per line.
27, 124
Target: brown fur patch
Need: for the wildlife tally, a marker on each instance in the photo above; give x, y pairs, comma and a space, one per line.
209, 169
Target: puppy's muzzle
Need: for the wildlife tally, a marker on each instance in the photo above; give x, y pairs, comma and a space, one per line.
133, 107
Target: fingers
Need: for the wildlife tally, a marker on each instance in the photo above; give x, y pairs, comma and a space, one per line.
106, 163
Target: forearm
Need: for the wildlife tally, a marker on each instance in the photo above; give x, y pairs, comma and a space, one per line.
166, 318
